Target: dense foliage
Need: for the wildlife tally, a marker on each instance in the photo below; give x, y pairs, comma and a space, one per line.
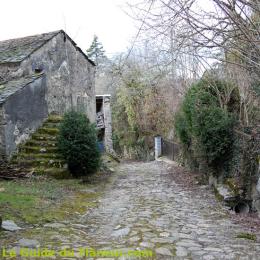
139, 114
204, 127
77, 143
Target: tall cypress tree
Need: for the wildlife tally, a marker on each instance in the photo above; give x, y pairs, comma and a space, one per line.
96, 51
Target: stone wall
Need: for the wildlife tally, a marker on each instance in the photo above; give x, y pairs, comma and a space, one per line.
69, 82
69, 76
108, 124
21, 114
2, 134
105, 83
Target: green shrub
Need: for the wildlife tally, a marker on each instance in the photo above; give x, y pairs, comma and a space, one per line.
204, 128
181, 127
77, 143
214, 130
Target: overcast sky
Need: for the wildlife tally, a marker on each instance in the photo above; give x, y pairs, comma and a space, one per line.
80, 18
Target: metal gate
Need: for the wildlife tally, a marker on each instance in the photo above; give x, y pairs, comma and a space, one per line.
170, 149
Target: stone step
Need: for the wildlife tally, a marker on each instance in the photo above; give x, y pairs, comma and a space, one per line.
40, 153
37, 149
54, 119
42, 143
42, 137
45, 162
50, 125
31, 156
48, 131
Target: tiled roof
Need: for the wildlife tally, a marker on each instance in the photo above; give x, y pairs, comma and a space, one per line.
9, 88
15, 50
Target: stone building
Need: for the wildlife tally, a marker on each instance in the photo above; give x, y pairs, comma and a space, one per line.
39, 75
104, 122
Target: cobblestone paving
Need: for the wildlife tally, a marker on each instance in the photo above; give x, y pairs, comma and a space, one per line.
143, 208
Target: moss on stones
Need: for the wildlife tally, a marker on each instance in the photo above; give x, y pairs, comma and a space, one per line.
218, 195
54, 119
231, 182
40, 154
49, 131
249, 236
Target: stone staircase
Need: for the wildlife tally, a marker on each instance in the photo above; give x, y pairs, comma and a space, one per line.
39, 154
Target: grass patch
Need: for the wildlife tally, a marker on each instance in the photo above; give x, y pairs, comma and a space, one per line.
41, 200
249, 236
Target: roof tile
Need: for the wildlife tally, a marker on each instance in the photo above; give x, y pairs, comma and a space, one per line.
9, 88
16, 50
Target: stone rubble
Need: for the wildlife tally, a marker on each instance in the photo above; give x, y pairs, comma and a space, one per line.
9, 225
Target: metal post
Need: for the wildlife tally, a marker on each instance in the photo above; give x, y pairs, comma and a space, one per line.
158, 146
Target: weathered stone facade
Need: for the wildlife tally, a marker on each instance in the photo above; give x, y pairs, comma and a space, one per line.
63, 79
22, 112
106, 126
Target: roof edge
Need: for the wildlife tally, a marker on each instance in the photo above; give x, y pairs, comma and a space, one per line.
77, 47
70, 39
55, 34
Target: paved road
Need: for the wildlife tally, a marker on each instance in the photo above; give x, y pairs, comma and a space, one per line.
143, 208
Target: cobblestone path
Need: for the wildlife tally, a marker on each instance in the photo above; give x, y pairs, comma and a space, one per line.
143, 208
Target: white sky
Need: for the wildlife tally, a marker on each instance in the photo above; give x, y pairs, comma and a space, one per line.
81, 19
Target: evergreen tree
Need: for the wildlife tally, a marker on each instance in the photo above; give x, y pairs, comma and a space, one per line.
77, 143
96, 51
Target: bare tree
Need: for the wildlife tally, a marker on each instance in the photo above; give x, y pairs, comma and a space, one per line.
195, 35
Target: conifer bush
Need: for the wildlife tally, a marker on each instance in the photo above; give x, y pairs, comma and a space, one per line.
204, 128
77, 143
